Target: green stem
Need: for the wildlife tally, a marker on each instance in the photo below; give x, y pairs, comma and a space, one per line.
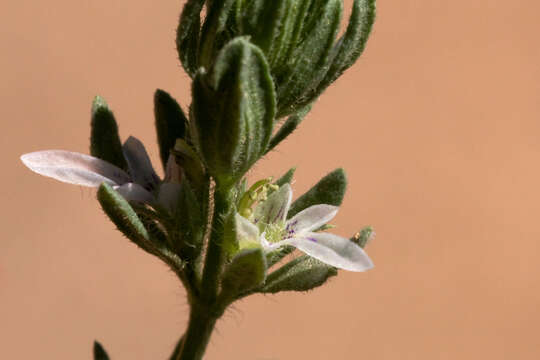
203, 315
200, 327
214, 255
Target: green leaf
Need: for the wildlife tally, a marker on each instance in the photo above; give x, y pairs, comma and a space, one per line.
275, 256
122, 215
187, 35
214, 31
170, 123
286, 178
188, 159
301, 274
190, 226
329, 190
350, 46
309, 60
269, 25
288, 33
274, 26
233, 109
288, 127
105, 142
99, 352
128, 223
246, 271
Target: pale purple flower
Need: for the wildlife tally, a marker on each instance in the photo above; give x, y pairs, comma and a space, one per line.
141, 184
269, 228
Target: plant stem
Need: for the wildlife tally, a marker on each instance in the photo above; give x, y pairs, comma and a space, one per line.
214, 256
204, 312
200, 327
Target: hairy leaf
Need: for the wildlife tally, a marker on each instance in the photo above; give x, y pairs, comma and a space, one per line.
105, 142
301, 274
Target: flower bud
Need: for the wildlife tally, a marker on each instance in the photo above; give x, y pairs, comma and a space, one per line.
233, 111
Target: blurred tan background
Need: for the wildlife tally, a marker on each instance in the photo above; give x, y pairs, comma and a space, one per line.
438, 126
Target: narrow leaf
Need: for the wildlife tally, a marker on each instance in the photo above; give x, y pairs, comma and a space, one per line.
105, 142
170, 123
128, 223
329, 190
301, 274
99, 352
213, 33
276, 256
187, 35
310, 58
350, 46
190, 225
122, 215
286, 178
288, 127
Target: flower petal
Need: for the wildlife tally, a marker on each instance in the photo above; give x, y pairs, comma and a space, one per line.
275, 208
135, 192
74, 168
140, 166
333, 250
169, 195
311, 218
246, 231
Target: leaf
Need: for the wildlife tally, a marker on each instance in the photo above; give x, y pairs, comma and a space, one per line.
122, 215
187, 35
233, 108
286, 178
99, 352
190, 224
310, 57
170, 123
213, 33
105, 142
301, 274
329, 190
350, 46
275, 256
128, 223
287, 128
246, 271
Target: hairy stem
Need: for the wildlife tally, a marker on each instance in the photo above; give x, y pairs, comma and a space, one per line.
214, 253
204, 310
200, 327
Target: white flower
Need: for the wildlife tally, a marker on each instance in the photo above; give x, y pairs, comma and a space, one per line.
139, 185
269, 228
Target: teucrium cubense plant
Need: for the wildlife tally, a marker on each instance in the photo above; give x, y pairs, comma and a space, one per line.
256, 66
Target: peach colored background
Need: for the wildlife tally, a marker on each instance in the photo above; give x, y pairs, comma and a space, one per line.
438, 127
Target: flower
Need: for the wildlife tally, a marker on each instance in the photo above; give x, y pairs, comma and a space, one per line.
140, 185
268, 227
